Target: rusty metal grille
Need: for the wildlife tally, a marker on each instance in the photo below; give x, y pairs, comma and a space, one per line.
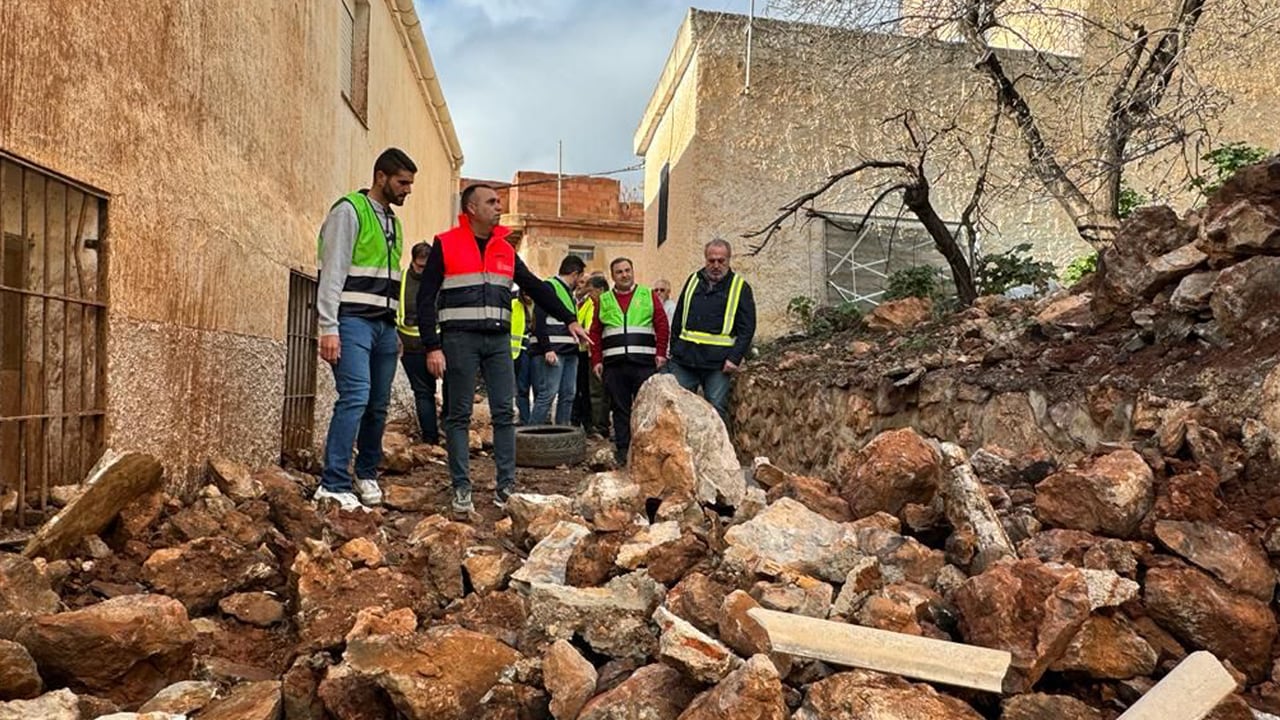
302, 338
53, 330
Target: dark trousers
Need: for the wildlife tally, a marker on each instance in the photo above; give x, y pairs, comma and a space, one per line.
622, 380
582, 398
424, 394
524, 386
467, 354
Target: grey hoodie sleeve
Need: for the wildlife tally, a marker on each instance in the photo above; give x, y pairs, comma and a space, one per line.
337, 241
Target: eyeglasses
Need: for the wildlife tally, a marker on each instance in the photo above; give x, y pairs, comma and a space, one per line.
664, 291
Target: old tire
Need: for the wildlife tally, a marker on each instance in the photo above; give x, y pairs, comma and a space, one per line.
550, 445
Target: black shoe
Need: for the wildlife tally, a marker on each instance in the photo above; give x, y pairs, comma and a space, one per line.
501, 496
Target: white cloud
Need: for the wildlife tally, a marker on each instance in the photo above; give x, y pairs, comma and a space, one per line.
521, 74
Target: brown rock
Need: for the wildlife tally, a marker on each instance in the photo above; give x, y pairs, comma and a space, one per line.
1207, 615
610, 501
680, 447
1242, 217
1124, 278
300, 689
408, 498
378, 621
752, 692
814, 494
802, 596
330, 593
900, 315
234, 480
439, 546
533, 516
692, 651
906, 608
1244, 296
1038, 706
664, 549
787, 536
1109, 495
1240, 564
256, 608
897, 467
23, 592
902, 559
613, 620
361, 551
1108, 648
501, 614
138, 517
125, 649
1072, 313
569, 678
397, 453
440, 674
250, 701
202, 571
548, 562
594, 560
654, 692
19, 678
347, 695
181, 698
859, 694
1188, 496
1029, 608
488, 568
1233, 707
290, 511
114, 482
698, 599
1193, 292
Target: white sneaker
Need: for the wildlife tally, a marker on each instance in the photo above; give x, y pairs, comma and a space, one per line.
369, 492
345, 500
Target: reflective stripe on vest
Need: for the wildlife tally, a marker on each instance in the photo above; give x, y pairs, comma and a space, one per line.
725, 337
476, 291
518, 338
558, 332
372, 283
630, 334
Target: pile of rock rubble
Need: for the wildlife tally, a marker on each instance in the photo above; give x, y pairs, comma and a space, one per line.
631, 599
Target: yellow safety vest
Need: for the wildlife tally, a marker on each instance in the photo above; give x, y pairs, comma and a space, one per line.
724, 338
518, 338
586, 313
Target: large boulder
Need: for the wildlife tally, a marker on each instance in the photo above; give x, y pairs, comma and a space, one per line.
1240, 564
1245, 296
1243, 216
859, 694
1109, 495
752, 692
900, 315
569, 678
441, 674
1149, 233
788, 536
680, 447
331, 593
125, 649
610, 501
613, 620
115, 481
1030, 608
1206, 614
897, 467
1108, 648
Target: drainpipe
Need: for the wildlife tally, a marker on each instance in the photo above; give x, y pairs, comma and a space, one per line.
430, 81
751, 19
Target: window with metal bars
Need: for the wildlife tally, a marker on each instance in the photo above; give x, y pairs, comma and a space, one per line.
53, 322
297, 433
353, 51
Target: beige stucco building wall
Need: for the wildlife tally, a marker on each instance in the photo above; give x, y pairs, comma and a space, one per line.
220, 133
738, 156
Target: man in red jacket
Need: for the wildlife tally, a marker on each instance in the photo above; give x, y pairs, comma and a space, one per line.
629, 336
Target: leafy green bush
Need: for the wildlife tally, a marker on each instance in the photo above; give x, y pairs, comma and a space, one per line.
1079, 267
823, 320
1011, 268
801, 309
1130, 200
1224, 162
920, 281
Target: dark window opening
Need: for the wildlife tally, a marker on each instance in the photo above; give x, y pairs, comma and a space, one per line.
663, 184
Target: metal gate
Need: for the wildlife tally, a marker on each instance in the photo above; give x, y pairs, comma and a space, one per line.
297, 433
53, 332
861, 256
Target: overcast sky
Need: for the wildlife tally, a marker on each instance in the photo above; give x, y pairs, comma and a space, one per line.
521, 74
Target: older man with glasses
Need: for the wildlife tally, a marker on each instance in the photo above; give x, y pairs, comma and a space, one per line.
663, 287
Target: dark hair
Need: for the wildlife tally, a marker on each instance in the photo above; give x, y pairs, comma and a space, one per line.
392, 161
621, 260
572, 264
598, 282
420, 250
469, 191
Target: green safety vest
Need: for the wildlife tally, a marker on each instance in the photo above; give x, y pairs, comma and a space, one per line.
725, 337
372, 285
629, 335
558, 336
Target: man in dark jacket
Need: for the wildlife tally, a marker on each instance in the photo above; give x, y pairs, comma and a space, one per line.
554, 352
413, 357
712, 327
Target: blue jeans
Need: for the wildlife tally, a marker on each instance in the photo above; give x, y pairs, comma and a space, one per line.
465, 354
423, 384
363, 376
524, 385
714, 384
558, 381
